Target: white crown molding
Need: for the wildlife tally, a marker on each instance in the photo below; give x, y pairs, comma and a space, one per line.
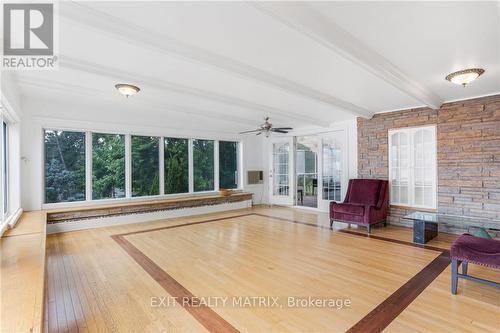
107, 71
147, 103
301, 17
137, 35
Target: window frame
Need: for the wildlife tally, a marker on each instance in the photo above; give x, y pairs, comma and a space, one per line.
164, 138
215, 174
128, 166
410, 131
87, 162
5, 169
237, 175
158, 165
90, 164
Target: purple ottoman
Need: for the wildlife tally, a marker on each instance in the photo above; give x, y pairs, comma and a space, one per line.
481, 251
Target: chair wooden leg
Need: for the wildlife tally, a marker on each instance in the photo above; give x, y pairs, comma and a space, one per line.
464, 267
385, 223
331, 223
454, 276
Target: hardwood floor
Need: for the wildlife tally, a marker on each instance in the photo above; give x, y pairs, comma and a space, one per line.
113, 279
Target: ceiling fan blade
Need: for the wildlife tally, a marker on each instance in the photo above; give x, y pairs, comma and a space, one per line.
257, 130
259, 133
284, 128
277, 130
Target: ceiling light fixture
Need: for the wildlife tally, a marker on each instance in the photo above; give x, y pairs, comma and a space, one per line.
127, 89
465, 76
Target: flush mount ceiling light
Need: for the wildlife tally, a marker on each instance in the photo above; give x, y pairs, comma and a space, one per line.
127, 89
465, 76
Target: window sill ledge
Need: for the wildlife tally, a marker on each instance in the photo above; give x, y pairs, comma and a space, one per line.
421, 209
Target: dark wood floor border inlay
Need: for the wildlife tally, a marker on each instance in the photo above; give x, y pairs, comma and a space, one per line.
380, 317
375, 321
350, 232
203, 314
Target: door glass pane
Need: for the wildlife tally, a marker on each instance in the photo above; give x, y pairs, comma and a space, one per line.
332, 169
64, 166
307, 176
145, 166
203, 165
280, 165
228, 164
176, 165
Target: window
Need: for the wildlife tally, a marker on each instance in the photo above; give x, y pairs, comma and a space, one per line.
176, 165
145, 166
87, 166
108, 166
203, 165
412, 166
281, 183
64, 166
332, 169
228, 164
5, 158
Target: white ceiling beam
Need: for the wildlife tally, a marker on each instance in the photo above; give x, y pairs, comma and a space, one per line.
308, 21
120, 75
138, 35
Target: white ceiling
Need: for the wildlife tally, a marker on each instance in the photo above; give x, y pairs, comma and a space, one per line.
226, 65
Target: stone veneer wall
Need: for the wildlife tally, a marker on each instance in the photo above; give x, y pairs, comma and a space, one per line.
468, 153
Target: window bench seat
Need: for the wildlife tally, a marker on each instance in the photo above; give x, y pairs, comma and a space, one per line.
22, 271
136, 207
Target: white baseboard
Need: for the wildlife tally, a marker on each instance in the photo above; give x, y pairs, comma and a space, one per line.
10, 221
143, 217
13, 218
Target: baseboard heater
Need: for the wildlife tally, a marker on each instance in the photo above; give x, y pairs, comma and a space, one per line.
90, 217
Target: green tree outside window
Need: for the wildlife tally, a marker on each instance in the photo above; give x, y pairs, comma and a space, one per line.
145, 166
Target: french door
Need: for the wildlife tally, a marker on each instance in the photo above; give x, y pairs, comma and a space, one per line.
315, 169
333, 168
280, 175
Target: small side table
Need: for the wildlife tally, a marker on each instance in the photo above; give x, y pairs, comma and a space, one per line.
425, 226
424, 231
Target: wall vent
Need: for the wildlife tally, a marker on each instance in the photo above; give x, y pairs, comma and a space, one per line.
255, 177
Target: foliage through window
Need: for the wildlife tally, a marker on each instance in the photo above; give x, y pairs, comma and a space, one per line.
228, 164
108, 166
203, 165
176, 165
145, 166
64, 166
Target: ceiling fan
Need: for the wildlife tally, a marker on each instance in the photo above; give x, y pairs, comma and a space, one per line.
267, 128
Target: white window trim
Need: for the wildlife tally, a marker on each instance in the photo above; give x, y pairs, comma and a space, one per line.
128, 169
411, 161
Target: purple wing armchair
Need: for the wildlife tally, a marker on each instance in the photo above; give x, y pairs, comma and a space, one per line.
366, 203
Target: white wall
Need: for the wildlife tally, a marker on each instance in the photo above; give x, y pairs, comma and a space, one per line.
255, 160
40, 115
45, 114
